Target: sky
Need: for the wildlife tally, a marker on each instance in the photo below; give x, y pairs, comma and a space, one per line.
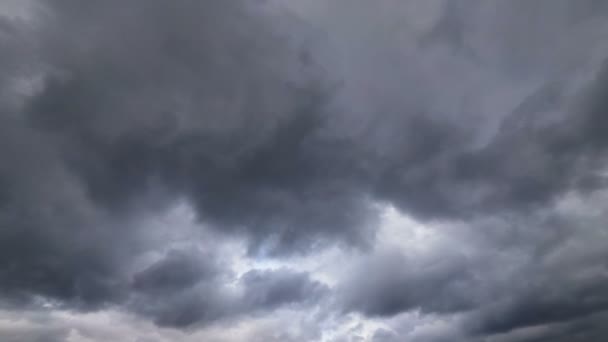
321, 170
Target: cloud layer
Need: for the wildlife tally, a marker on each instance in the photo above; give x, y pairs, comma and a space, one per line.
339, 170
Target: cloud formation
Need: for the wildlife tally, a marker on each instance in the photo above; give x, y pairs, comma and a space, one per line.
324, 171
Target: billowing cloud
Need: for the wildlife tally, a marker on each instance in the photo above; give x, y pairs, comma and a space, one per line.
324, 171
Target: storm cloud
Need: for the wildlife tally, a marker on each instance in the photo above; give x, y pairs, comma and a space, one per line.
421, 170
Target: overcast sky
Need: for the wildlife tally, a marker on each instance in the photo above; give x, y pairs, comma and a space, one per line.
291, 171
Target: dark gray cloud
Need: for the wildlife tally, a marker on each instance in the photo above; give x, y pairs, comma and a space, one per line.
111, 110
290, 134
538, 281
187, 289
178, 270
530, 162
389, 284
168, 96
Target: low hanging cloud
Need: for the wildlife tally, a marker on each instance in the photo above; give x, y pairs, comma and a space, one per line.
288, 131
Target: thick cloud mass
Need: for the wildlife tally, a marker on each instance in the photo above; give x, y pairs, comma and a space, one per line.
342, 170
208, 100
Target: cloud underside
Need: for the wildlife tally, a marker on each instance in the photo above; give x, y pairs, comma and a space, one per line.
329, 171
